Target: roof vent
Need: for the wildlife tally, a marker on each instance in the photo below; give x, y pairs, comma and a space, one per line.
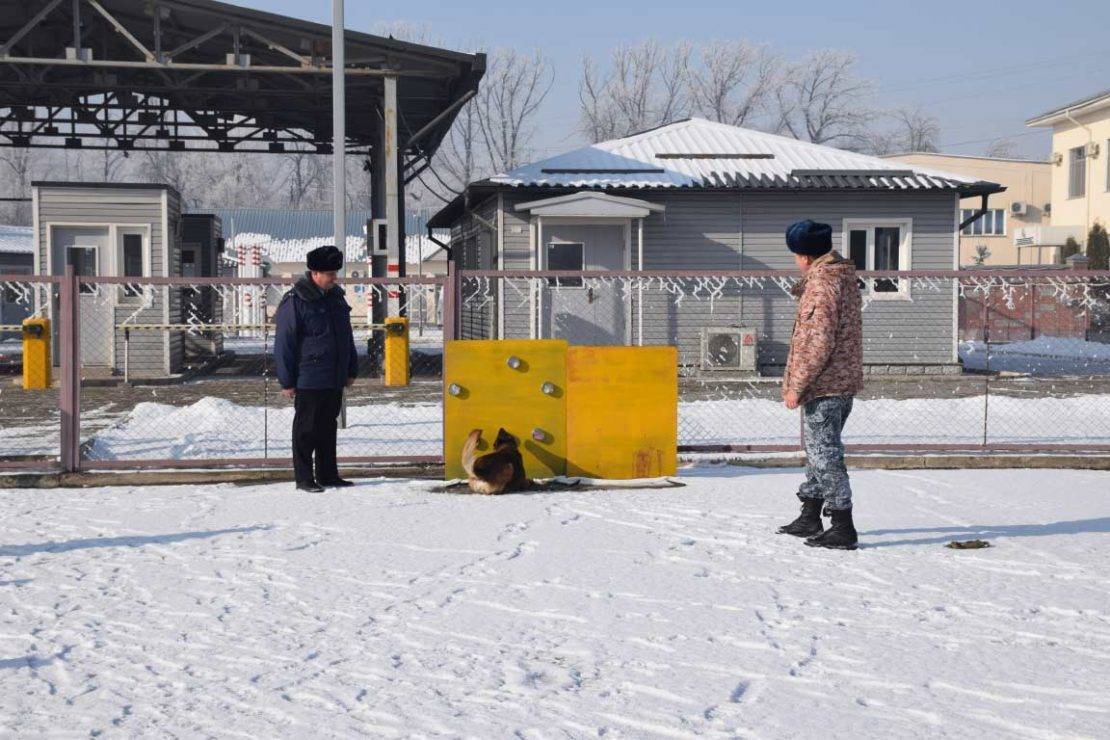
601, 170
851, 173
714, 155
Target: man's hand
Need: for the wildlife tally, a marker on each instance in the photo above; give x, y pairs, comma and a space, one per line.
289, 393
350, 382
791, 399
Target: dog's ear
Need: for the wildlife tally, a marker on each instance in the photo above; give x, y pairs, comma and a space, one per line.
504, 438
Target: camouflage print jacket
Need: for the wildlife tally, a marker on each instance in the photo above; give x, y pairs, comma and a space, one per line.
826, 346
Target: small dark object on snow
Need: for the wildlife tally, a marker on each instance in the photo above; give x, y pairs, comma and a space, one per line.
967, 545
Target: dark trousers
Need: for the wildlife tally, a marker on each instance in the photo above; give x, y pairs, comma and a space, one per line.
315, 420
826, 476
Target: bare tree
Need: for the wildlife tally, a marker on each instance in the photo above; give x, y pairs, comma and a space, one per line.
917, 131
733, 81
306, 179
823, 100
645, 86
1002, 149
460, 159
111, 163
514, 87
17, 164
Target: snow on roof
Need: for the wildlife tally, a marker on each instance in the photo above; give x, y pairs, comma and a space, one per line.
19, 239
272, 249
696, 153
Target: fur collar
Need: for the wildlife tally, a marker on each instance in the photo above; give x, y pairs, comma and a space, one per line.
307, 290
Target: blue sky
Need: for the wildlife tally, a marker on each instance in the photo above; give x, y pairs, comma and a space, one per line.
981, 68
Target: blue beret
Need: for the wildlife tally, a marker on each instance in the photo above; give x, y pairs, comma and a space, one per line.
809, 238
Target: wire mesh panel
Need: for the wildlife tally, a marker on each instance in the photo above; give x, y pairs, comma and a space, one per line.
29, 417
174, 371
928, 382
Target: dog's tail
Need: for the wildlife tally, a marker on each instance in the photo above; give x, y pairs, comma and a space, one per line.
470, 451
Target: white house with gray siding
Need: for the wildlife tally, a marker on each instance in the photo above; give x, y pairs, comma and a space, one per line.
124, 230
699, 195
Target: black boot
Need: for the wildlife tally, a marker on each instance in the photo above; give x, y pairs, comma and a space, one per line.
840, 536
809, 523
336, 482
309, 486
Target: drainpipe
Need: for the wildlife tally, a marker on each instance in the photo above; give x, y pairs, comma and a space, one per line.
1087, 174
975, 216
446, 247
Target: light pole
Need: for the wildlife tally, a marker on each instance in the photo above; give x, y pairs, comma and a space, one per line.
339, 145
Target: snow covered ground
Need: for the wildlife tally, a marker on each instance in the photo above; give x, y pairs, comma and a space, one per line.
215, 427
1043, 356
392, 610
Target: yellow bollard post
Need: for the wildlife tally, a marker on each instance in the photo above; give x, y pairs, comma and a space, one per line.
36, 354
396, 351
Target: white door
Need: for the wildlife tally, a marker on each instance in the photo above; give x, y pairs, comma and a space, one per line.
592, 311
86, 248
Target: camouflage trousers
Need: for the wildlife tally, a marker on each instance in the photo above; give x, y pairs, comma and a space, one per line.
826, 477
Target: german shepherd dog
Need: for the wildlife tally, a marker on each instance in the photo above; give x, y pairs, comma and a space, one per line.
499, 471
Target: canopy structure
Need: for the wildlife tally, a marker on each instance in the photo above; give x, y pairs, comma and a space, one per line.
198, 75
203, 75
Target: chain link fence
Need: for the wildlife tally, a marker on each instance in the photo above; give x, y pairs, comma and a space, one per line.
179, 372
29, 419
944, 367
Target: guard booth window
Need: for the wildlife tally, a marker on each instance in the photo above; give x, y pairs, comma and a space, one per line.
132, 262
83, 260
565, 256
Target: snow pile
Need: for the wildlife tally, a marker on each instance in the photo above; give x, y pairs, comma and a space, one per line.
274, 249
1041, 356
394, 612
215, 427
292, 250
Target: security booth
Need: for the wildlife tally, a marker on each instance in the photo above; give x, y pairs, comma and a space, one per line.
131, 230
202, 246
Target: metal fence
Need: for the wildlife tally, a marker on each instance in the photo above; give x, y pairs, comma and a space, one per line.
934, 379
178, 372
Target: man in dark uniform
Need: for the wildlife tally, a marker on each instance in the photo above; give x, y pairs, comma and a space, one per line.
314, 351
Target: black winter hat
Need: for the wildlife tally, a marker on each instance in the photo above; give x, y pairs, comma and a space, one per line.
809, 238
325, 259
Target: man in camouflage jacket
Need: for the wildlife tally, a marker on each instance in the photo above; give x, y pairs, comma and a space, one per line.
824, 371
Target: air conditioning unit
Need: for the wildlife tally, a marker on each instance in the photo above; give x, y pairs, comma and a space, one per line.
729, 348
1018, 209
1047, 209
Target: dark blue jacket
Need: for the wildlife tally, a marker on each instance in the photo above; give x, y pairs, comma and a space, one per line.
315, 345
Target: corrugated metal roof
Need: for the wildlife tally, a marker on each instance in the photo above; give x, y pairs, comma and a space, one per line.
1095, 99
279, 223
679, 155
282, 223
16, 239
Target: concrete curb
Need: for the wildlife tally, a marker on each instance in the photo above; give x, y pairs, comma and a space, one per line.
196, 477
936, 462
435, 472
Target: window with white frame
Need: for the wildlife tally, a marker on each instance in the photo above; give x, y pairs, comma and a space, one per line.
991, 223
880, 245
1077, 172
132, 260
566, 256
